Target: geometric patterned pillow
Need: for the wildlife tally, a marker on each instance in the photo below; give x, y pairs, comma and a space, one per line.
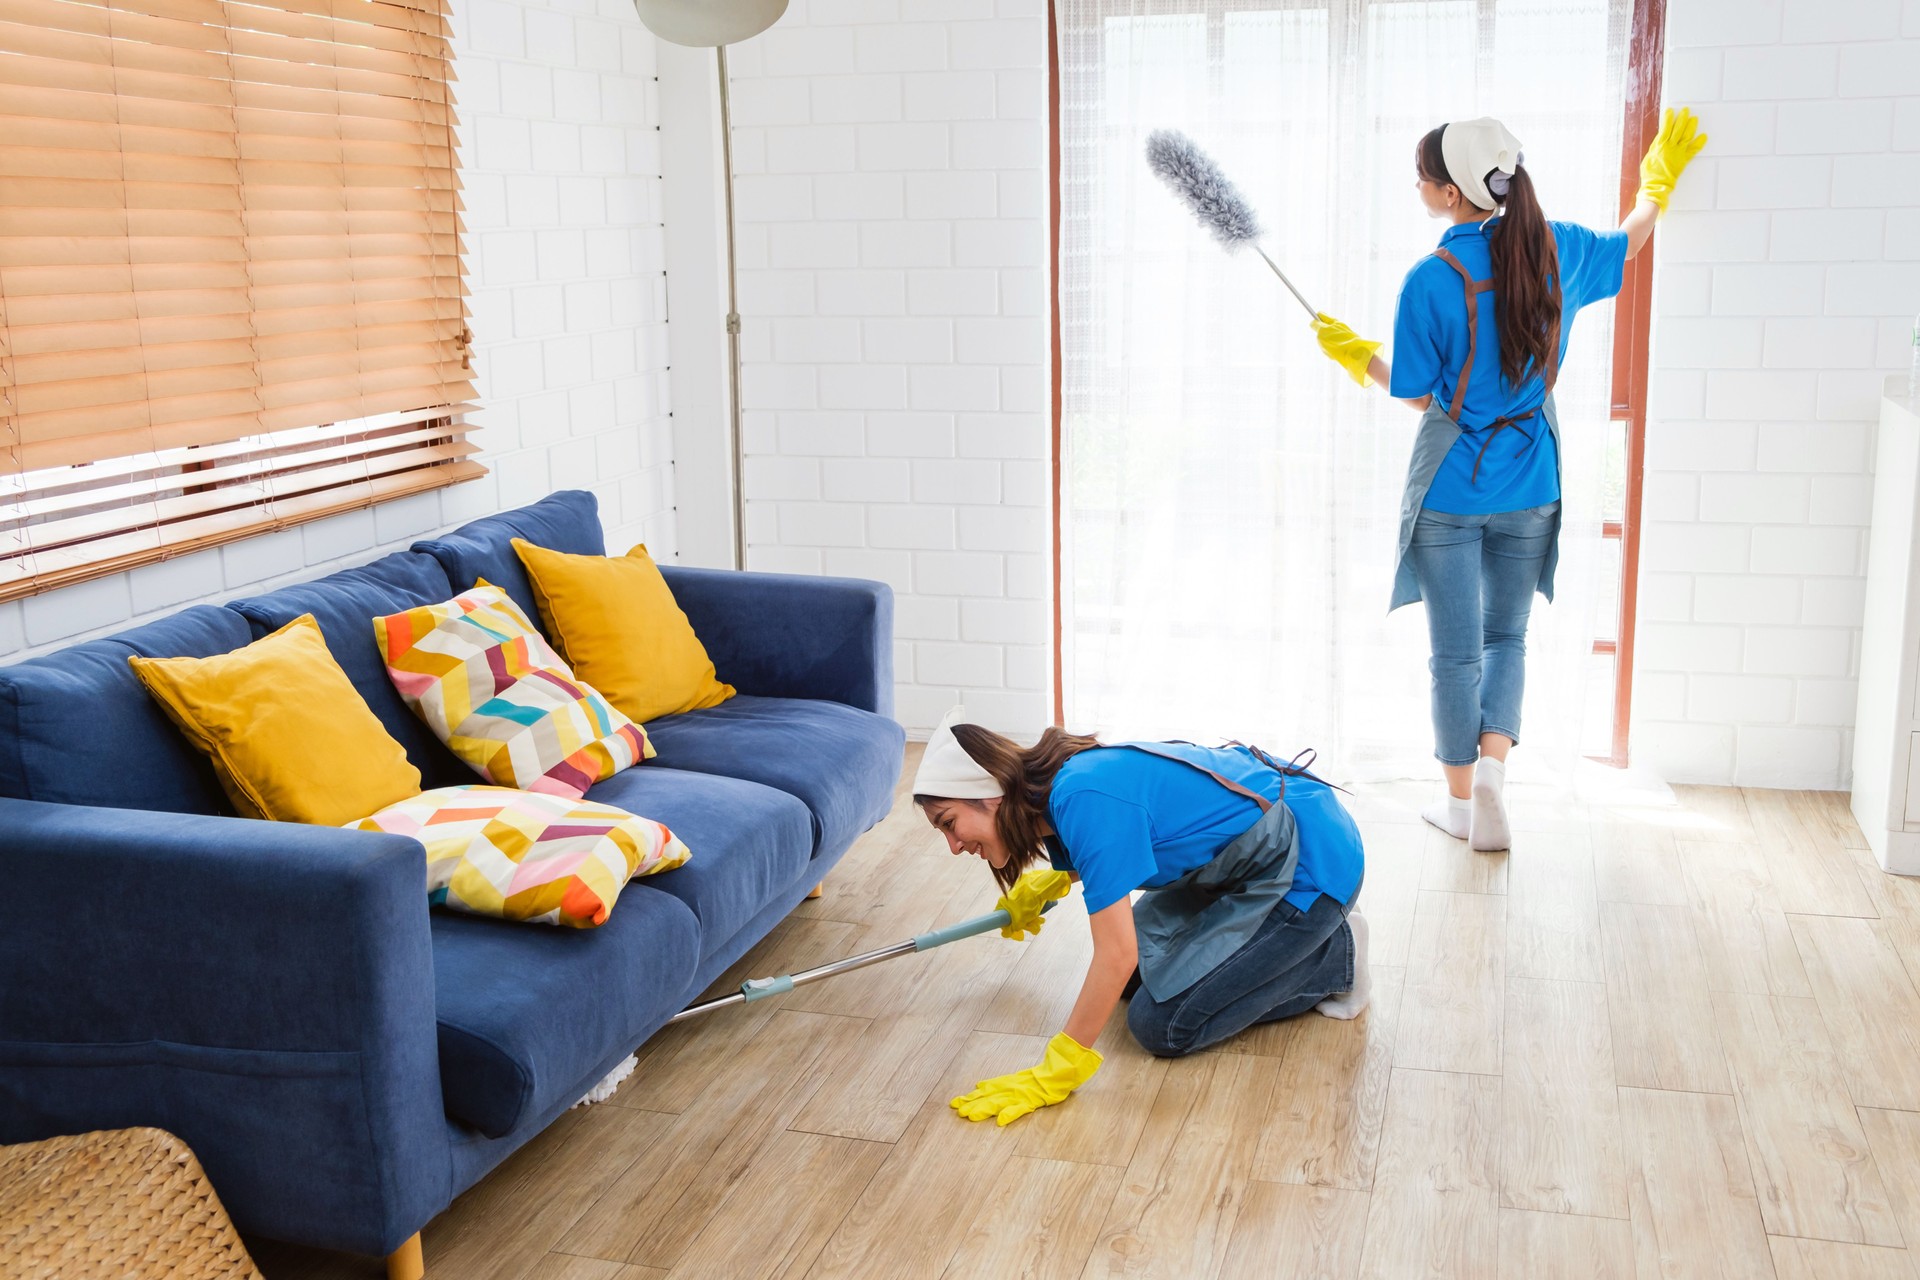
491, 687
519, 855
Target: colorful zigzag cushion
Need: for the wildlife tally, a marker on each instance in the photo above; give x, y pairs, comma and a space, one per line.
494, 691
519, 855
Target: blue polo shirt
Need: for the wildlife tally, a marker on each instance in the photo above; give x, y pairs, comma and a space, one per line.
1129, 820
1430, 344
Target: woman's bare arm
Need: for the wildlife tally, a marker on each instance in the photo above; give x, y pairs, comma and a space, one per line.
1382, 375
1115, 954
1639, 225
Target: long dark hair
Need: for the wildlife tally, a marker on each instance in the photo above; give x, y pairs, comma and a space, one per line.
1025, 775
1526, 312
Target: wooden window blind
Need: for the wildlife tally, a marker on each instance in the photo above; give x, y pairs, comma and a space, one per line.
231, 291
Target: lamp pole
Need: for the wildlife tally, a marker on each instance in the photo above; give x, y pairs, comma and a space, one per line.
735, 435
716, 24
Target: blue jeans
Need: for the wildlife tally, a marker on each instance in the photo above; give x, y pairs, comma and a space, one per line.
1477, 575
1294, 961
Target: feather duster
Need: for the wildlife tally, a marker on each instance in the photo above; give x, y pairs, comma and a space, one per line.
1192, 175
1197, 180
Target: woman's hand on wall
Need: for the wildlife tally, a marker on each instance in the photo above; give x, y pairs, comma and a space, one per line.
1673, 149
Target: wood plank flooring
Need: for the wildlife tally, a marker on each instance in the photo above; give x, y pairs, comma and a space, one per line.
1649, 1042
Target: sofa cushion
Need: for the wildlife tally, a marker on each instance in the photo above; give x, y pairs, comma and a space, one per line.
345, 605
487, 683
523, 1014
76, 727
749, 842
619, 629
291, 739
523, 856
566, 521
843, 762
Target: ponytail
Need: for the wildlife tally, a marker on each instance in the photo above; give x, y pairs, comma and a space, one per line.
1526, 310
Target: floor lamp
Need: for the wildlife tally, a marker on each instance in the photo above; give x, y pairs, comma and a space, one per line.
715, 24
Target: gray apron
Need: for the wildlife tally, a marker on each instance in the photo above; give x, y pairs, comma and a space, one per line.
1187, 928
1440, 429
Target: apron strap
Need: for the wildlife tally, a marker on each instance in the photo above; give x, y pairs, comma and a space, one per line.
1298, 767
1152, 749
1301, 766
1473, 289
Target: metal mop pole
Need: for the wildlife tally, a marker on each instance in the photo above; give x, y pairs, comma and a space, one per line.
760, 988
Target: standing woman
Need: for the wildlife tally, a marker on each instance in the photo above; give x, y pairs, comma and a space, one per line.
1251, 868
1478, 336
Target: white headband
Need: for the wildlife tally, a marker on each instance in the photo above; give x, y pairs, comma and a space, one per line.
947, 771
1472, 150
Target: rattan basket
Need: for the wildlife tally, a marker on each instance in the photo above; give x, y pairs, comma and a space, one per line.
119, 1203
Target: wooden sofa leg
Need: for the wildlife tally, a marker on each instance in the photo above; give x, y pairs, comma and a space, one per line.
405, 1263
816, 890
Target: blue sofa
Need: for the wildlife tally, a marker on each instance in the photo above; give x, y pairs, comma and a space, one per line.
343, 1060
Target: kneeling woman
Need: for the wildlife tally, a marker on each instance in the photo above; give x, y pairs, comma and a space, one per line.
1251, 869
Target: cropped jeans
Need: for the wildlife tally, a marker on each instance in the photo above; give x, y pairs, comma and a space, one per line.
1294, 961
1477, 575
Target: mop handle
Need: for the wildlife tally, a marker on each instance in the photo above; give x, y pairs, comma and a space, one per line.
965, 929
760, 988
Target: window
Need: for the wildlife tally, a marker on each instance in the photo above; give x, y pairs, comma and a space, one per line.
231, 293
1227, 506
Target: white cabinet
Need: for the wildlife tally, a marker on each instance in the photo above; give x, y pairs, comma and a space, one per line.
1886, 733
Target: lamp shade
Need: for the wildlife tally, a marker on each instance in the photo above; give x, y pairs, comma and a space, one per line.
706, 23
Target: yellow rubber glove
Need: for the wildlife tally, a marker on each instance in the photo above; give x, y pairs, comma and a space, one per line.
1345, 347
1024, 902
1673, 149
1067, 1066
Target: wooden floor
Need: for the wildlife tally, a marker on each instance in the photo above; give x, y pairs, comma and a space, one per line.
1660, 1042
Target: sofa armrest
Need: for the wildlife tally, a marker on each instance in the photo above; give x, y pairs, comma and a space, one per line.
263, 990
784, 635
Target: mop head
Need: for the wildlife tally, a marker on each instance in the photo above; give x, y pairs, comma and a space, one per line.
1197, 180
611, 1084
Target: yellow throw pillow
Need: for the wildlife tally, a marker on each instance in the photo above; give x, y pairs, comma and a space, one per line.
291, 738
615, 622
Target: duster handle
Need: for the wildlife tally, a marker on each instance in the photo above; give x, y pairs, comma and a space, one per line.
1311, 311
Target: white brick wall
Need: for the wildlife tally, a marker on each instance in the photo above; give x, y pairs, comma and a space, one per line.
1788, 272
892, 198
560, 162
893, 246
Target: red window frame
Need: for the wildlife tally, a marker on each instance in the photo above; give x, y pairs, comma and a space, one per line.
1632, 322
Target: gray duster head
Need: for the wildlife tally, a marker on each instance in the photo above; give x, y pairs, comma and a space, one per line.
1197, 180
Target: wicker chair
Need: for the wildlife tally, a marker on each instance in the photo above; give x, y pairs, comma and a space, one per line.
117, 1202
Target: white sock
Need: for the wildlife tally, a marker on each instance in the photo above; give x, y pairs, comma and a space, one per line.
1490, 807
1349, 1004
1452, 815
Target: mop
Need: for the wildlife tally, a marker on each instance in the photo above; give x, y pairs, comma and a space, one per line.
761, 988
1215, 201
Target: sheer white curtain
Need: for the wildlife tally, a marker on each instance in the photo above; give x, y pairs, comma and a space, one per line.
1230, 501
